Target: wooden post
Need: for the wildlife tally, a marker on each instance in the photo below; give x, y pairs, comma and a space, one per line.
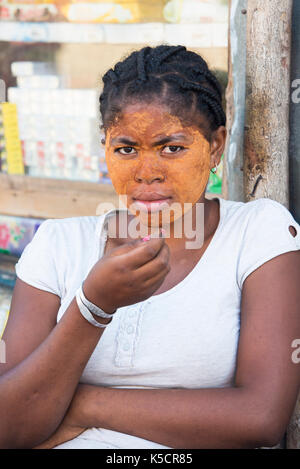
266, 167
266, 149
232, 187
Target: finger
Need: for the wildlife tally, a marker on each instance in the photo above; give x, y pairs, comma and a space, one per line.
151, 268
123, 249
141, 252
156, 281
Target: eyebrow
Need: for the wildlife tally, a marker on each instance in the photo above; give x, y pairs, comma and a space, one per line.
161, 141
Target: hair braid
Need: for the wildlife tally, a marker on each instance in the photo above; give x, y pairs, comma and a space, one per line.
169, 52
181, 78
141, 65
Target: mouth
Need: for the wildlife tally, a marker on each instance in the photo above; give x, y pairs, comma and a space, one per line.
151, 202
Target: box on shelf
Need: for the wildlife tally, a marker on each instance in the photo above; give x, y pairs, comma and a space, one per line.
16, 233
25, 69
59, 127
11, 157
39, 81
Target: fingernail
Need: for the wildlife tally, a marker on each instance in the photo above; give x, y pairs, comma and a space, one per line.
147, 238
162, 233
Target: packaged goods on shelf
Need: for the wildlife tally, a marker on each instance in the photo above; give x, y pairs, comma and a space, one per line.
16, 233
11, 157
99, 11
60, 132
25, 69
39, 81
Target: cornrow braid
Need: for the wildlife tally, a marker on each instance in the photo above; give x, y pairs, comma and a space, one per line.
167, 53
178, 77
206, 95
141, 64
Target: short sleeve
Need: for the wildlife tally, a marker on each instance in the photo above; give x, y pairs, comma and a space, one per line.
266, 236
36, 265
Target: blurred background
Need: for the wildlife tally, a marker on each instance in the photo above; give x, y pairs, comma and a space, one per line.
53, 54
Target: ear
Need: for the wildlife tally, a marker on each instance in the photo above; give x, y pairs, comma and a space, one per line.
217, 145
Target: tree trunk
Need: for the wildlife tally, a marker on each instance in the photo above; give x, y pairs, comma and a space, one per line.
266, 167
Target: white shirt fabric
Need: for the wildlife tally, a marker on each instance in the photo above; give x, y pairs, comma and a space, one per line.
186, 337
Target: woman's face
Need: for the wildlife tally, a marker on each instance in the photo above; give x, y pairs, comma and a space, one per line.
156, 160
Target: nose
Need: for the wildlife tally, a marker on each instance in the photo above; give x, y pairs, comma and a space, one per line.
149, 171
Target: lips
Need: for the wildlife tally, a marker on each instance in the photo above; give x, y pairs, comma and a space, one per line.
150, 201
150, 196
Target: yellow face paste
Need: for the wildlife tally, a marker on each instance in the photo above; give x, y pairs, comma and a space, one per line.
140, 159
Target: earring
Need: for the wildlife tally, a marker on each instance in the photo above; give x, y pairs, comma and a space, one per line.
215, 170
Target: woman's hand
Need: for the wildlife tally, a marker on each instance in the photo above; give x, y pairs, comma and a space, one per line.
128, 274
75, 422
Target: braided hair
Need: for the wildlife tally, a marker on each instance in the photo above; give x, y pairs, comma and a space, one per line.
178, 77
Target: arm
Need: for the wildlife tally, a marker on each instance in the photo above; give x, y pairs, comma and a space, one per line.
43, 368
45, 360
253, 413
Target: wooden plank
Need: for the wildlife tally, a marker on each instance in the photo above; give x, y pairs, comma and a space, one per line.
51, 198
27, 196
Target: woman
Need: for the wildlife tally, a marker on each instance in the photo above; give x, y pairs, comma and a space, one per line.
197, 351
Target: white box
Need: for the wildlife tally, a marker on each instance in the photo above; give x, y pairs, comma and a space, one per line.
39, 81
31, 68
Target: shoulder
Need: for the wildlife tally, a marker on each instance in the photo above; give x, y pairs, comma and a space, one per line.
69, 230
264, 233
59, 250
263, 210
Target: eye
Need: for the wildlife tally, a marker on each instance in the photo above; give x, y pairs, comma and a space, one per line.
125, 150
173, 149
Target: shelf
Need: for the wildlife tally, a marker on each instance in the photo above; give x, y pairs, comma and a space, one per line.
203, 35
26, 196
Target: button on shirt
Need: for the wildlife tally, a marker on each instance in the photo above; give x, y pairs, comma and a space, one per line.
186, 337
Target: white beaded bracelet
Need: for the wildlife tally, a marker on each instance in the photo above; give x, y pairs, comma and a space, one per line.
86, 313
94, 308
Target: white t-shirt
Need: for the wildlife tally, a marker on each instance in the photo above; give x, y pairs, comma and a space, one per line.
186, 337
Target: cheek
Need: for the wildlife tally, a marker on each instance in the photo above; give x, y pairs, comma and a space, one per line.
120, 172
189, 179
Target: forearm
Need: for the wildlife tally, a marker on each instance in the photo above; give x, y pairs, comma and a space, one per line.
180, 418
35, 394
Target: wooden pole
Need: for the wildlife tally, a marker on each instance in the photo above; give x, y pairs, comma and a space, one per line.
266, 170
232, 187
266, 149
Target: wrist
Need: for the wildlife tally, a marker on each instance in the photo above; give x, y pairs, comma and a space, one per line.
89, 292
83, 406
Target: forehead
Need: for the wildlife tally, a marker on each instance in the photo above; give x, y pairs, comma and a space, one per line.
149, 120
